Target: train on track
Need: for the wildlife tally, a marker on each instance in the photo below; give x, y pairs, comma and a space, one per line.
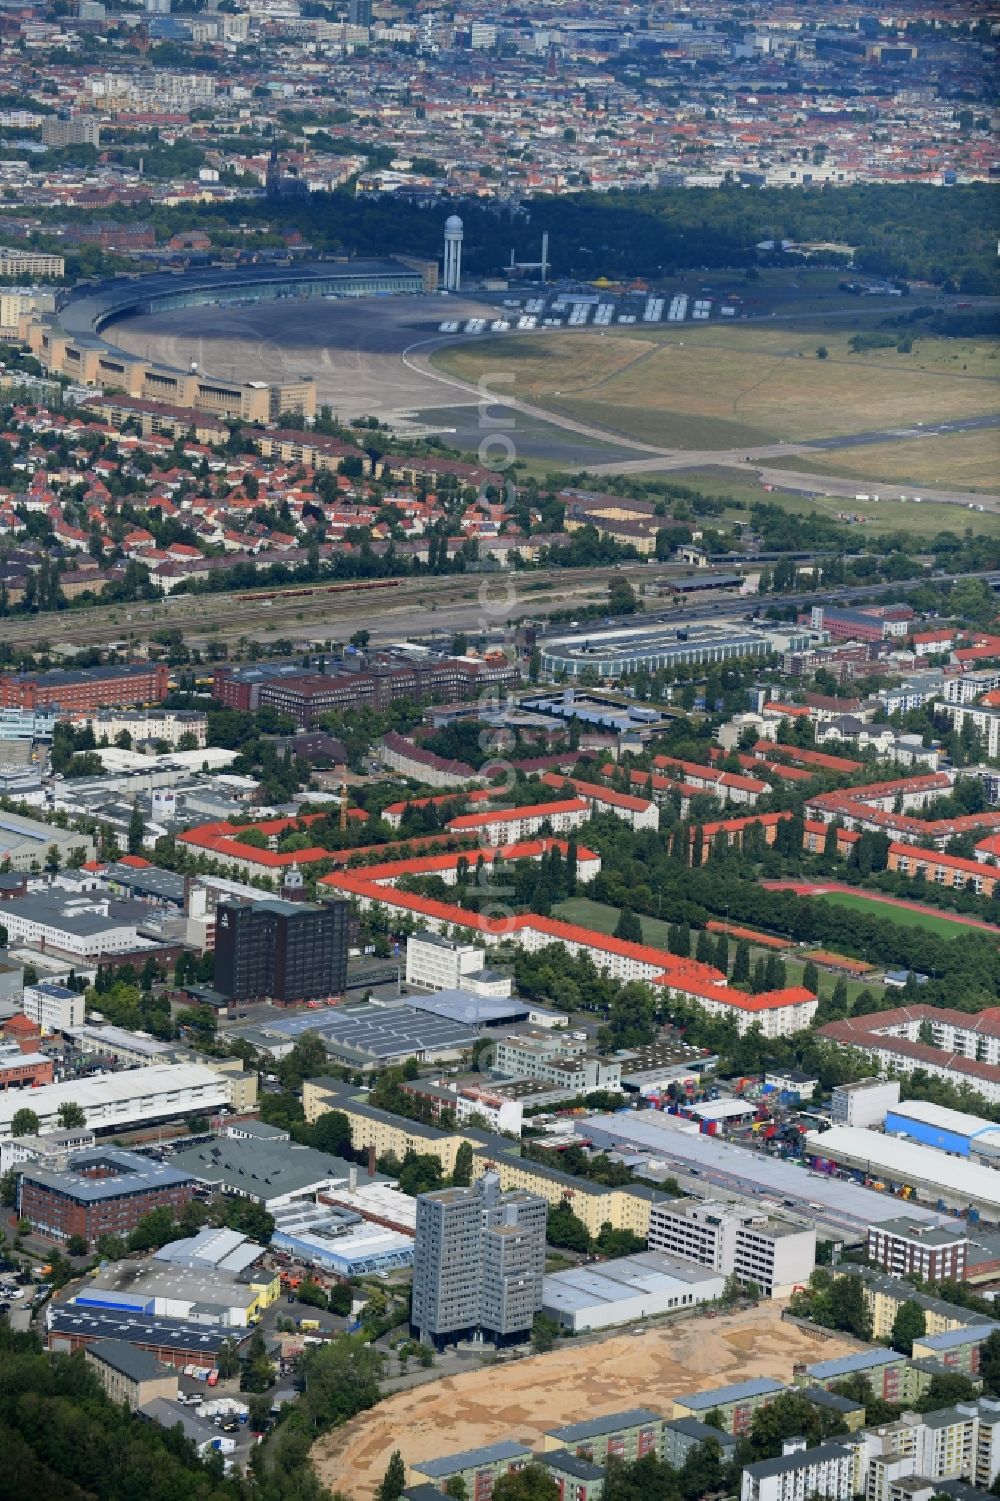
348, 588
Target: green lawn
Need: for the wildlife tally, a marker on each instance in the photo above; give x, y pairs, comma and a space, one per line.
942, 927
604, 919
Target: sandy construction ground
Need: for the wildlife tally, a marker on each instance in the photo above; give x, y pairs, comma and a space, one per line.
523, 1399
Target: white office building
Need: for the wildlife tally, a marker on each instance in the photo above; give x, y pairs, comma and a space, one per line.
436, 963
775, 1254
952, 1443
53, 1007
863, 1103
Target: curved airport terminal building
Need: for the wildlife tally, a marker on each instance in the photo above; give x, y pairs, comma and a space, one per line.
74, 341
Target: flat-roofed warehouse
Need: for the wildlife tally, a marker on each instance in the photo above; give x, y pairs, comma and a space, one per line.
24, 841
631, 1287
372, 1036
113, 1101
898, 1163
174, 1341
836, 1207
616, 652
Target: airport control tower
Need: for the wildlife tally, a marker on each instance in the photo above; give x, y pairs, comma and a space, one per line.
453, 254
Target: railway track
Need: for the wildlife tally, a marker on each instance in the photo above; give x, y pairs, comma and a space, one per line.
362, 604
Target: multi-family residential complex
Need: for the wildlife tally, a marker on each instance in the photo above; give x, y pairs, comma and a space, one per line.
905, 1250
963, 1047
800, 1472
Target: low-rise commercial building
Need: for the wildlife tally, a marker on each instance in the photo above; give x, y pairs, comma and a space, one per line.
25, 843
102, 1192
129, 1374
52, 1150
165, 1288
272, 1173
125, 1048
176, 1342
77, 926
626, 1289
339, 1240
23, 1070
556, 1058
115, 1101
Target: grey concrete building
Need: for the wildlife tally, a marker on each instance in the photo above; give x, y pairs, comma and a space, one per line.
478, 1261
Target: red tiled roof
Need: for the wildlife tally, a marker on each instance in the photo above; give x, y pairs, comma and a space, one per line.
807, 757
512, 815
598, 794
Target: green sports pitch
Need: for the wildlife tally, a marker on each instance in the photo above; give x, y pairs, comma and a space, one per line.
907, 917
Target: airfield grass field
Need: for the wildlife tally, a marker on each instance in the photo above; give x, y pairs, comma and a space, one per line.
729, 386
960, 461
924, 520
